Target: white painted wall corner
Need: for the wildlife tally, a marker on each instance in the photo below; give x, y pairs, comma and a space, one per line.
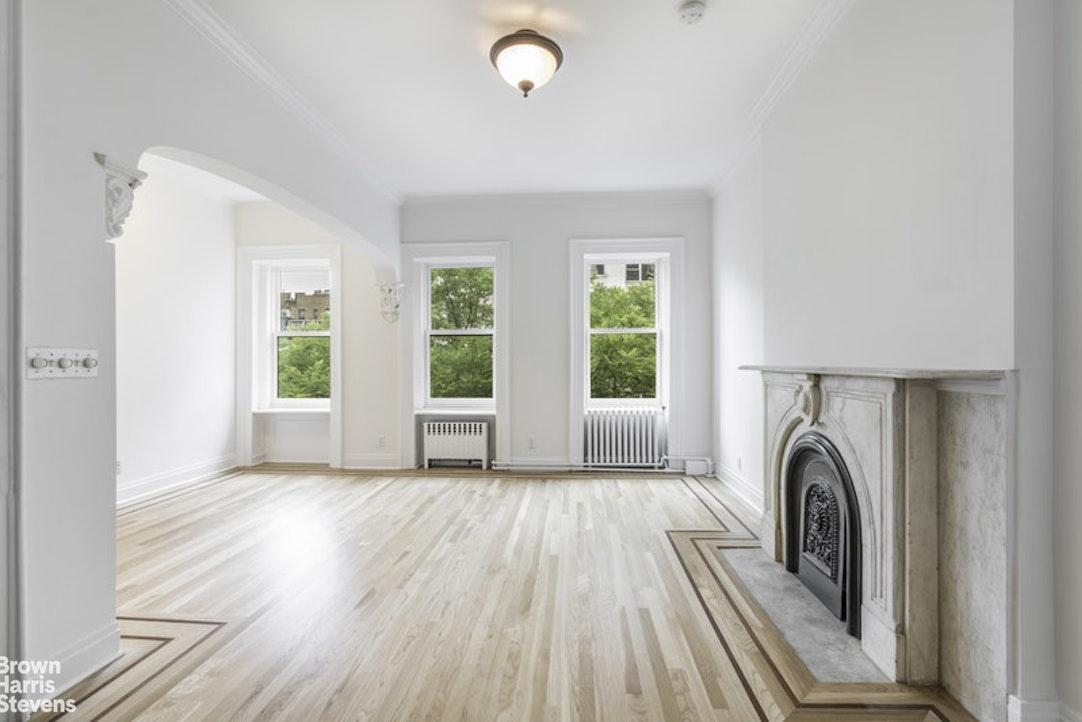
85, 657
750, 494
142, 489
1020, 710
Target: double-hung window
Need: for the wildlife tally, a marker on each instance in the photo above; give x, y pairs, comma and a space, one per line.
289, 346
625, 345
289, 322
460, 333
625, 301
300, 344
458, 301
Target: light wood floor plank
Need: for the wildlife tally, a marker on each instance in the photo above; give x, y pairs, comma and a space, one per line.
467, 596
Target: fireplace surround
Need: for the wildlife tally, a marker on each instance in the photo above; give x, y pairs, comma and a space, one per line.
877, 429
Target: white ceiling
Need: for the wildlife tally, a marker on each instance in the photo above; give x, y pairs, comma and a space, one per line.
643, 101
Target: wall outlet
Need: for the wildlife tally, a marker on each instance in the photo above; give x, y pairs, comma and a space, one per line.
740, 463
531, 443
382, 441
118, 468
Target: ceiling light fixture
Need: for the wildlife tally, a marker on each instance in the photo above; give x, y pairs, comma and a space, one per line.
526, 59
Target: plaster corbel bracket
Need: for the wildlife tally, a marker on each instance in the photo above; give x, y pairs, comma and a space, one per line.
809, 399
390, 300
120, 185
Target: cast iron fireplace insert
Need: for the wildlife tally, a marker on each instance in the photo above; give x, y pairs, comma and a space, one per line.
822, 527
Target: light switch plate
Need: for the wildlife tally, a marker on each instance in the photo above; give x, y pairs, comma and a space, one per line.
61, 363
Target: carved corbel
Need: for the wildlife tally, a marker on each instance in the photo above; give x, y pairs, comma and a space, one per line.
809, 399
390, 300
120, 185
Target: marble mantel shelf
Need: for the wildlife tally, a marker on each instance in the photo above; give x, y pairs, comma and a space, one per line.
885, 373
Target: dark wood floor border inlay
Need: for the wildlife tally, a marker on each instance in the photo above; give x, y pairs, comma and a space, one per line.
715, 625
125, 687
711, 491
802, 697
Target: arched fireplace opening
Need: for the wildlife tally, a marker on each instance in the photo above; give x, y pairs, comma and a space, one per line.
822, 527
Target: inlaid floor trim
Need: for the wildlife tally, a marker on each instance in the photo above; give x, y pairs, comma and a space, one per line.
155, 654
773, 676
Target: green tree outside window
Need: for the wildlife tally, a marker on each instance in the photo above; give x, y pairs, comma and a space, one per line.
623, 358
461, 322
304, 362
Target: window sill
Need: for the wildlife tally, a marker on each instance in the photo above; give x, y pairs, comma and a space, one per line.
455, 411
291, 412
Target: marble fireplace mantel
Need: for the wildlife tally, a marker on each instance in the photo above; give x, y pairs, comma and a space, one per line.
883, 423
884, 373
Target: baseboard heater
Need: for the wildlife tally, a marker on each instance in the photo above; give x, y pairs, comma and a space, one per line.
625, 437
456, 441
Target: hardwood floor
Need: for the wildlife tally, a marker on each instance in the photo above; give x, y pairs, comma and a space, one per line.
458, 597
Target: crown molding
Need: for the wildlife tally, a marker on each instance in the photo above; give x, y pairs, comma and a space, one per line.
811, 36
808, 41
752, 144
222, 36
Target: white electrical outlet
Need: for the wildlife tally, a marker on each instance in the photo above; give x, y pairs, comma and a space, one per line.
61, 363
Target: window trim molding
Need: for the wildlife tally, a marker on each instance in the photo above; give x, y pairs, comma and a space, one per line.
583, 254
417, 258
252, 400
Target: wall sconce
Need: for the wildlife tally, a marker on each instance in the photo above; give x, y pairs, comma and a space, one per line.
390, 300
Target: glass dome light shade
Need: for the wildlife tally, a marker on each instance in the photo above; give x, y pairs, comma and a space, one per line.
526, 60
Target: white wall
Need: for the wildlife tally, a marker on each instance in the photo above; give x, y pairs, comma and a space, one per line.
906, 205
370, 373
175, 339
1068, 335
888, 195
117, 77
1033, 683
539, 229
9, 109
738, 331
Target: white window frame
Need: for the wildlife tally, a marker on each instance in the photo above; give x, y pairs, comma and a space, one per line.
417, 258
487, 404
668, 256
659, 329
258, 320
267, 351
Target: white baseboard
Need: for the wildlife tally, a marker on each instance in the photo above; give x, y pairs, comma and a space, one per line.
535, 463
85, 657
749, 493
562, 464
141, 489
1069, 715
1019, 710
372, 461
